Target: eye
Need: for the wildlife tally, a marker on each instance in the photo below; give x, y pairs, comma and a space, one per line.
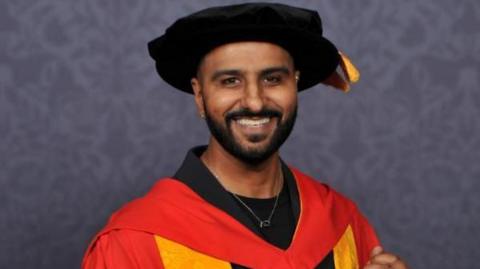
230, 81
272, 79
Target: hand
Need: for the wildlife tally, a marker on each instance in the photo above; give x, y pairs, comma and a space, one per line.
383, 260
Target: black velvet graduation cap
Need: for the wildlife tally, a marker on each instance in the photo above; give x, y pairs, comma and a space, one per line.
178, 52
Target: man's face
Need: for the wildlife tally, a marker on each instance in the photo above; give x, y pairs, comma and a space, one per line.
248, 93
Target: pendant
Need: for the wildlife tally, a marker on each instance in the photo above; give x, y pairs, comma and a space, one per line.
264, 223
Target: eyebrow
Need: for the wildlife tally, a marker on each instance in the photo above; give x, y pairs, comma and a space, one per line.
235, 72
280, 69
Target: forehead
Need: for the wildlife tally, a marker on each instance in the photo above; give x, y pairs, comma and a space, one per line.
246, 56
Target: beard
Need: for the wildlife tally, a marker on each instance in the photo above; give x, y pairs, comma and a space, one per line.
251, 155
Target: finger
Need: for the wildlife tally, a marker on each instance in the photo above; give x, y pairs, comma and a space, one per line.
384, 258
375, 251
377, 266
399, 264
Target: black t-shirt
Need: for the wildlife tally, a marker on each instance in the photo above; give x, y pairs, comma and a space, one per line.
283, 223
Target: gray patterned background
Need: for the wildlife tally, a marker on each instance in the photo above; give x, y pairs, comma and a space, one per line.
86, 125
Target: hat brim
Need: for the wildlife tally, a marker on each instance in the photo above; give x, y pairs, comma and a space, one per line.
177, 57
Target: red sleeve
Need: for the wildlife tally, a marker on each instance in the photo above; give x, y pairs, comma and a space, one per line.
365, 238
123, 249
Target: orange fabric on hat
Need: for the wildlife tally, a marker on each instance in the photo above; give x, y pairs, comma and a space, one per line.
350, 75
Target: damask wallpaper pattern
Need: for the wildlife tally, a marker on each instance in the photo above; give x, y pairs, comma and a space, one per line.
87, 125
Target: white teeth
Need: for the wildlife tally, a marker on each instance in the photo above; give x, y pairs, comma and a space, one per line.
253, 123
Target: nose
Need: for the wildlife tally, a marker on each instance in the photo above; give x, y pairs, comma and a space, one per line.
253, 97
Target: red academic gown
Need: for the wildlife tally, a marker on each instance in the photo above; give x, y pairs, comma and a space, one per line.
173, 227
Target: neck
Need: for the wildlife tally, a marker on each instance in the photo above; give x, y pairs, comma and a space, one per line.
262, 180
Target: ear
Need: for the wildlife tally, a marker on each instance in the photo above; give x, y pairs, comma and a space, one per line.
297, 76
197, 91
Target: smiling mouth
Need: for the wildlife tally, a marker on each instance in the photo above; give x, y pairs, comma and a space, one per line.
246, 118
249, 122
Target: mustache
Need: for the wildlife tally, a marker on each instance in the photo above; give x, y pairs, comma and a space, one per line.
245, 112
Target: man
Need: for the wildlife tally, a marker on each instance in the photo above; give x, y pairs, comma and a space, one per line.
234, 203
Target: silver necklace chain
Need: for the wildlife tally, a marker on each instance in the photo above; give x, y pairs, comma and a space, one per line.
261, 223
